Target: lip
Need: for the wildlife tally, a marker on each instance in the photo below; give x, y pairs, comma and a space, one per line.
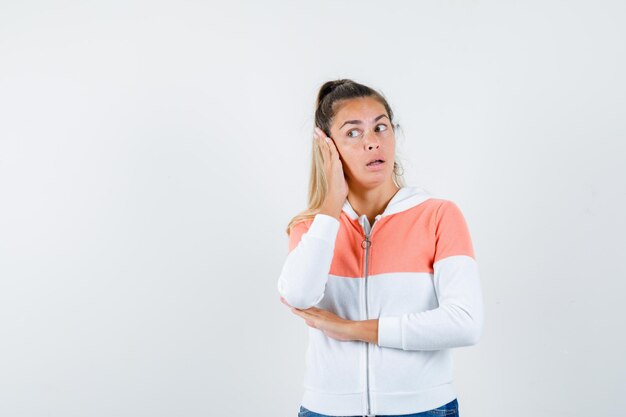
375, 159
376, 167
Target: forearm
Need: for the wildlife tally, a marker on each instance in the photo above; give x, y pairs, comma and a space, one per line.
456, 322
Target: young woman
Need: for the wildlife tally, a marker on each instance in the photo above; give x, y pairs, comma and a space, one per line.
384, 274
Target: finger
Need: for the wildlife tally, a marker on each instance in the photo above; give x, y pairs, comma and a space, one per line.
333, 152
301, 313
327, 145
298, 313
321, 142
319, 135
332, 148
324, 149
327, 140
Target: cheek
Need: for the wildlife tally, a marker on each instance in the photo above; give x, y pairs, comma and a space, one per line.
348, 159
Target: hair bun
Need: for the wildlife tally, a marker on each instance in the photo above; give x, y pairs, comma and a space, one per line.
328, 87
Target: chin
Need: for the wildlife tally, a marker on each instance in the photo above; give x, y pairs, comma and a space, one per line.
374, 179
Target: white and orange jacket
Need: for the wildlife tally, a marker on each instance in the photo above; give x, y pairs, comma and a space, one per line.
414, 270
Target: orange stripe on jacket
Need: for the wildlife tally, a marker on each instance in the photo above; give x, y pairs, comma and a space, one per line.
408, 241
452, 234
296, 232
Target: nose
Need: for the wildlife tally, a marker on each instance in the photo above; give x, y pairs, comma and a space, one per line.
371, 140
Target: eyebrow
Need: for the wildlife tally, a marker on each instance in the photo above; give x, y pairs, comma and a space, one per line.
358, 122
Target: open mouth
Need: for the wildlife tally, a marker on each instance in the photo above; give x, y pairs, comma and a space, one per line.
375, 162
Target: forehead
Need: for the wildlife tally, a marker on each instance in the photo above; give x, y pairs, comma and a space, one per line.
362, 108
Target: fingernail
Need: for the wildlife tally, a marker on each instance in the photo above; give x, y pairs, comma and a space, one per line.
328, 139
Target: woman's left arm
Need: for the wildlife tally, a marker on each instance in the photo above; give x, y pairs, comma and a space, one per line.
458, 321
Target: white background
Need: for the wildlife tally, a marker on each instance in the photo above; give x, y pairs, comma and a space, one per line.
152, 153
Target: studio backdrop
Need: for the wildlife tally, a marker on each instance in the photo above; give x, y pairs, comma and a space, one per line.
153, 152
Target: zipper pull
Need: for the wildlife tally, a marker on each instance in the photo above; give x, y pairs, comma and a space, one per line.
365, 244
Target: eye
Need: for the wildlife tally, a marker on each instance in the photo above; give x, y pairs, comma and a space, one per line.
350, 131
356, 130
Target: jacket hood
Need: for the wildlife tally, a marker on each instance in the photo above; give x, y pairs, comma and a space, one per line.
405, 198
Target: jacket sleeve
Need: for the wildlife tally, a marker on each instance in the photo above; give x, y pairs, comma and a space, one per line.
303, 278
458, 320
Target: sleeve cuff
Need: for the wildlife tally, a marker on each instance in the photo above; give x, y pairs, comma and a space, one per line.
324, 227
390, 332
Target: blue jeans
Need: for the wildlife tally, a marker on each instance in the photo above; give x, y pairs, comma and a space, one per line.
447, 410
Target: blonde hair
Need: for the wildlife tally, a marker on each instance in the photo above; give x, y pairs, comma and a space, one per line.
329, 94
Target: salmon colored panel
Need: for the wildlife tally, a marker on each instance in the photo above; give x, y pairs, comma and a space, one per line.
348, 256
408, 241
297, 230
405, 241
414, 239
451, 232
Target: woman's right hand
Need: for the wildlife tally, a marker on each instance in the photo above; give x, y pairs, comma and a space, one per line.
337, 184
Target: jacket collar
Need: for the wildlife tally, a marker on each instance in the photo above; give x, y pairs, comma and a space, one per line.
405, 198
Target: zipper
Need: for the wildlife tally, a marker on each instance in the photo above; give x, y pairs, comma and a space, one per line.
365, 244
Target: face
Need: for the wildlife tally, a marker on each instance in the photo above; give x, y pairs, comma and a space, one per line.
362, 132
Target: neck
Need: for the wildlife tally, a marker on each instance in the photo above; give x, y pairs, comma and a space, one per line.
371, 201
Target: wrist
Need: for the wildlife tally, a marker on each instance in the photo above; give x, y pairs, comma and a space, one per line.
365, 330
331, 208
